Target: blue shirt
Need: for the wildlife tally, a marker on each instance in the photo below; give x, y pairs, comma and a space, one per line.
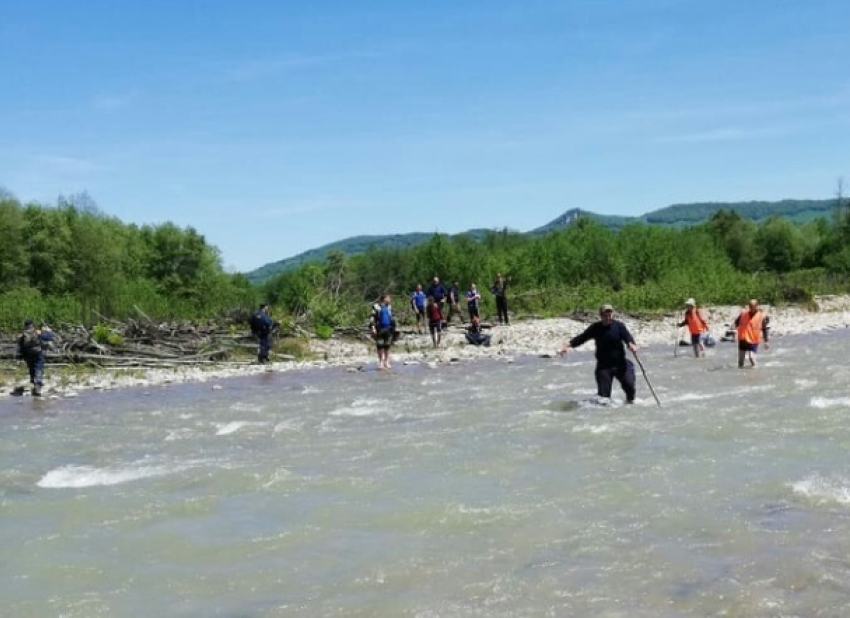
418, 299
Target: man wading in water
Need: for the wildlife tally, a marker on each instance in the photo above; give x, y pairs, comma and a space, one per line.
611, 337
751, 326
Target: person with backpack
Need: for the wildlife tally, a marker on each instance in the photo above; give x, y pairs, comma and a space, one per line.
32, 344
261, 328
382, 326
697, 326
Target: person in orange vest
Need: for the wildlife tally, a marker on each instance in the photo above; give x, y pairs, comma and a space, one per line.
751, 325
696, 326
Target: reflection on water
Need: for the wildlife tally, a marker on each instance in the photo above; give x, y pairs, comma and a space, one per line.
482, 489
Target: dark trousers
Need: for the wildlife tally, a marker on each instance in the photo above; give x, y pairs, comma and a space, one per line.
265, 346
35, 365
502, 309
624, 374
454, 309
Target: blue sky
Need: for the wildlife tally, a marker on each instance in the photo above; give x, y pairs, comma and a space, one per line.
276, 127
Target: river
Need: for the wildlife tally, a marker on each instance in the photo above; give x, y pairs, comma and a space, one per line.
488, 488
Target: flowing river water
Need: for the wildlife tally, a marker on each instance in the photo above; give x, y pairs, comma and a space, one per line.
486, 488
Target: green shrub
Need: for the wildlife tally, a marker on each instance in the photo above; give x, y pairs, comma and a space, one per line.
103, 334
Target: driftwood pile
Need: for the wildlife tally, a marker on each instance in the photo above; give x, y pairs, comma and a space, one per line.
143, 343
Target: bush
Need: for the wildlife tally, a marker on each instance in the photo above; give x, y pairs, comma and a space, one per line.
103, 334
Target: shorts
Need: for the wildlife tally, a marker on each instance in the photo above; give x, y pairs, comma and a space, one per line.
384, 338
746, 346
436, 327
419, 312
695, 339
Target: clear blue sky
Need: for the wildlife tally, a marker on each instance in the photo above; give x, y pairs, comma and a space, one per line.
276, 127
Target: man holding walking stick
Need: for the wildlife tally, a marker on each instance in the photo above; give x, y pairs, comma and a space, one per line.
611, 337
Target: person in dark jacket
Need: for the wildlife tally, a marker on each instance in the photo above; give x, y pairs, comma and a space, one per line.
261, 327
438, 292
454, 302
611, 337
474, 334
499, 289
32, 344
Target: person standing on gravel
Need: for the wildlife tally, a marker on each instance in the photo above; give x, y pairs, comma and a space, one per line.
499, 290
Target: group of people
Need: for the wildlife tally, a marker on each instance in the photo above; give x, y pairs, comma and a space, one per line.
437, 305
612, 339
611, 336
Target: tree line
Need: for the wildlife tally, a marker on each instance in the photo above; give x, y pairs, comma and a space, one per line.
72, 263
726, 260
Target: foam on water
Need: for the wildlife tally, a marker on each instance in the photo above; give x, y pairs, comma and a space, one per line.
836, 489
829, 402
75, 477
362, 407
232, 427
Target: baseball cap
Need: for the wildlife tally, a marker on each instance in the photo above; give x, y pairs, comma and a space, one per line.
691, 302
28, 322
605, 308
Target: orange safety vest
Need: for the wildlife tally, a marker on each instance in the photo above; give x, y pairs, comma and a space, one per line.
749, 326
696, 324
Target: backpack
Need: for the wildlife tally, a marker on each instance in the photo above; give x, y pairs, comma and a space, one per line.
385, 318
257, 323
31, 342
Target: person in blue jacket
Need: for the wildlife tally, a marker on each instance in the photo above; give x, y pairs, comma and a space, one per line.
32, 344
611, 337
417, 304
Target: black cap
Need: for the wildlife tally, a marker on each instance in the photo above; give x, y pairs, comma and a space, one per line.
28, 322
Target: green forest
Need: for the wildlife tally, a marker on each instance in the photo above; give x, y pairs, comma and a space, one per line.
71, 263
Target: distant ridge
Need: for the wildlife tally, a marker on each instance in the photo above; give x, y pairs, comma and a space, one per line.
677, 215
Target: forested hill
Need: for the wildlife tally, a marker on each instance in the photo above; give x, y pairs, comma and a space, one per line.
676, 215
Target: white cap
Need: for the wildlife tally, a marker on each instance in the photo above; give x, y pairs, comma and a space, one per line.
691, 302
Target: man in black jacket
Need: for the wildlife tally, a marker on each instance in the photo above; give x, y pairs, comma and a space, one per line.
611, 337
32, 344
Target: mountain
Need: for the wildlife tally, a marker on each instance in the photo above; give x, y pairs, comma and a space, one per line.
679, 215
348, 246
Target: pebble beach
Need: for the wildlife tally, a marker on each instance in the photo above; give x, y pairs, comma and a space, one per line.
540, 337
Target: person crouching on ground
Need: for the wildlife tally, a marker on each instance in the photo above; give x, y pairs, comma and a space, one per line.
751, 326
382, 326
696, 326
474, 334
32, 344
611, 337
435, 321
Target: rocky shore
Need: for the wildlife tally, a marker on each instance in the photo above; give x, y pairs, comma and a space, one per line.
536, 337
